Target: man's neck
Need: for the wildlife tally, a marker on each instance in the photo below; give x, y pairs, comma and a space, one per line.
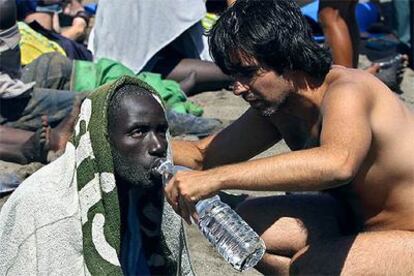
307, 95
126, 189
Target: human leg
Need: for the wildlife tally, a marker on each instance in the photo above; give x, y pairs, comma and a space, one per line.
369, 253
287, 224
22, 146
341, 30
12, 143
25, 113
50, 70
206, 75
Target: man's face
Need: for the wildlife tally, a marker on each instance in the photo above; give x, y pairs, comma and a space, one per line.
263, 89
138, 138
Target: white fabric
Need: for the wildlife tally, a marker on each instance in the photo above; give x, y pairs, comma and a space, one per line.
132, 31
40, 224
9, 38
41, 231
11, 88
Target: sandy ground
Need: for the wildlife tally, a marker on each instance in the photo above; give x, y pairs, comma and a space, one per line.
227, 107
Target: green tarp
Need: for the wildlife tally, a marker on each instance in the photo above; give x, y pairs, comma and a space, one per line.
87, 76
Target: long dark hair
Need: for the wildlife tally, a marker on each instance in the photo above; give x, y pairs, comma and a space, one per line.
273, 32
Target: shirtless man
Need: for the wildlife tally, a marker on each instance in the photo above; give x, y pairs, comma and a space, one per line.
351, 140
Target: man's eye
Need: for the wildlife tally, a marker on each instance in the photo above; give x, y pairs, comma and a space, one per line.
162, 134
245, 74
162, 131
137, 133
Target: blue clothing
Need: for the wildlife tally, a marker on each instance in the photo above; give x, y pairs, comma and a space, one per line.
73, 49
26, 112
25, 7
133, 261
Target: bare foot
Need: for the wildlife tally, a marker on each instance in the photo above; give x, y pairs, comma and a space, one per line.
43, 139
37, 146
59, 136
47, 143
390, 71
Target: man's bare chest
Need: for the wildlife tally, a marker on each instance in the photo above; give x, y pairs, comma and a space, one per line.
297, 132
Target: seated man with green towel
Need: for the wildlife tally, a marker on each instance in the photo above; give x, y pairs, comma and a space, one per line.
97, 209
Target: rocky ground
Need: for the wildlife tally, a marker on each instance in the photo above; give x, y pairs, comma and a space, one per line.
227, 107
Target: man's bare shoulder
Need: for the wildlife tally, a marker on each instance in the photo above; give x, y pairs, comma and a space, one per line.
342, 77
351, 86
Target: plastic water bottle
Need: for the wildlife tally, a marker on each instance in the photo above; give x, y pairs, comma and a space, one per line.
232, 237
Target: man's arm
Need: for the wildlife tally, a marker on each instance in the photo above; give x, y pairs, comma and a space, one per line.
345, 141
248, 136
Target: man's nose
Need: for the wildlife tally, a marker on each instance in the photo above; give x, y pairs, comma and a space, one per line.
240, 88
158, 145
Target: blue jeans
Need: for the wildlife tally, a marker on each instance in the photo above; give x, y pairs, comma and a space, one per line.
25, 112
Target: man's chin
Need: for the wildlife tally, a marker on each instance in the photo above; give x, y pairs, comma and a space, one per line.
144, 182
267, 111
137, 178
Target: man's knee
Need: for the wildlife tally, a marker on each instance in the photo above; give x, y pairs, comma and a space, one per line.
283, 235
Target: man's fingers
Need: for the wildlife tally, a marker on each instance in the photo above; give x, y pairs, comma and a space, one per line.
179, 203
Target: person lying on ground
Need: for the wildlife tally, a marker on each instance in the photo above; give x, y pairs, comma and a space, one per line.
151, 41
25, 138
46, 14
22, 103
97, 209
25, 97
351, 141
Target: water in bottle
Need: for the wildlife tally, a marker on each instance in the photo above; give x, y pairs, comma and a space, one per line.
232, 237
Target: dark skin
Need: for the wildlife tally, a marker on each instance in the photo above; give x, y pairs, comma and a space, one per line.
139, 133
